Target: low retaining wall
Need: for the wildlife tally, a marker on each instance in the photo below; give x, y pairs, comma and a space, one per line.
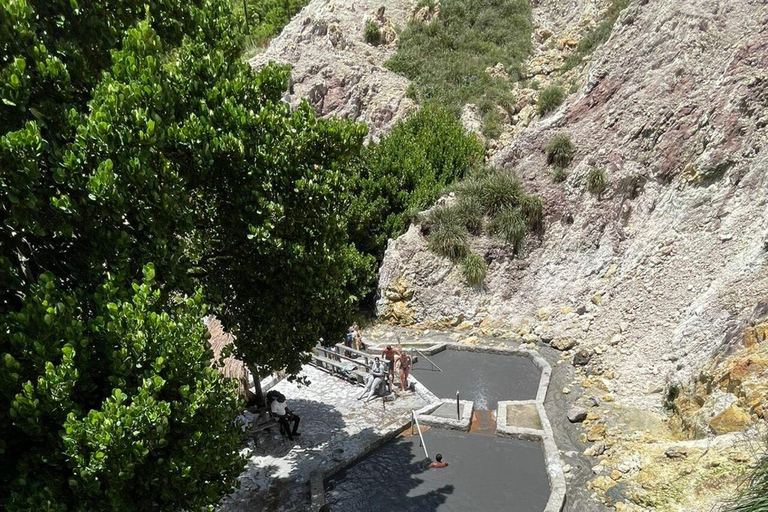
544, 435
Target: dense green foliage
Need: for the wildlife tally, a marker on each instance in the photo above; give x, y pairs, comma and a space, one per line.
406, 172
265, 18
549, 99
596, 36
559, 150
133, 134
596, 180
372, 33
473, 268
446, 58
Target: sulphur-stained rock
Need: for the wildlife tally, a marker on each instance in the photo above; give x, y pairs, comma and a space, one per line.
399, 313
616, 474
470, 340
602, 483
563, 343
596, 433
733, 419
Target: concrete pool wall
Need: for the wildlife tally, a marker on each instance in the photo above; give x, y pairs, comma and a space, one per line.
518, 426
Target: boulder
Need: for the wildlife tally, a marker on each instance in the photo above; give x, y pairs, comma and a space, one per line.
576, 414
733, 419
582, 357
563, 343
676, 452
596, 433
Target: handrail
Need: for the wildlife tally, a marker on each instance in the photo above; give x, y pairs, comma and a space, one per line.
418, 428
342, 356
425, 357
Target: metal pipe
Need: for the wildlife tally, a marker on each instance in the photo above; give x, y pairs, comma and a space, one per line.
458, 407
418, 427
428, 359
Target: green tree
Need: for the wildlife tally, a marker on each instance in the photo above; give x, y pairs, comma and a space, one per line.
135, 137
406, 172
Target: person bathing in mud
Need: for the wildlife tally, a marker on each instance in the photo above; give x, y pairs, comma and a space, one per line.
375, 377
438, 462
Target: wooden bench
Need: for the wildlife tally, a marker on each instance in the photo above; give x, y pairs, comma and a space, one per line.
336, 367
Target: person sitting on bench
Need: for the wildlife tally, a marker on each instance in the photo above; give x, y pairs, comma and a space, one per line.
374, 379
284, 415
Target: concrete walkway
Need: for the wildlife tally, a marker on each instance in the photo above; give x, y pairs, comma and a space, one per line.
277, 475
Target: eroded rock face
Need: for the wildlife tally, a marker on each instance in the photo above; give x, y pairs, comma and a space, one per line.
670, 261
335, 69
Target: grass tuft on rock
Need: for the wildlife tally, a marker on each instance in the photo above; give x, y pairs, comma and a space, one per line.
474, 269
549, 99
559, 150
447, 233
471, 211
372, 33
509, 225
596, 181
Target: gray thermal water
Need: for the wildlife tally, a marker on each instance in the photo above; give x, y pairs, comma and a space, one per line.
486, 474
481, 377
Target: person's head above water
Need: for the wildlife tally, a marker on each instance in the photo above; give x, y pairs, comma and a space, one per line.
439, 457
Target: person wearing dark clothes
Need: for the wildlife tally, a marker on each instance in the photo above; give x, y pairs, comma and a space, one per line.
284, 415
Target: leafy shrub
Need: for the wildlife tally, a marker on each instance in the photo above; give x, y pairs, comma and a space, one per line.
596, 36
473, 268
559, 174
559, 150
406, 172
509, 225
596, 180
446, 58
447, 234
372, 33
549, 99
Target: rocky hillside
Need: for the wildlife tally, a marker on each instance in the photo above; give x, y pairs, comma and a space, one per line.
336, 69
665, 268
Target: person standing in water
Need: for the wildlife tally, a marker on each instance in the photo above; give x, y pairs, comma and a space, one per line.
438, 462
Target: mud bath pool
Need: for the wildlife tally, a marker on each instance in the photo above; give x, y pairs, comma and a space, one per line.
482, 377
486, 473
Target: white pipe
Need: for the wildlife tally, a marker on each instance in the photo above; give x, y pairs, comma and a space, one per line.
418, 427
